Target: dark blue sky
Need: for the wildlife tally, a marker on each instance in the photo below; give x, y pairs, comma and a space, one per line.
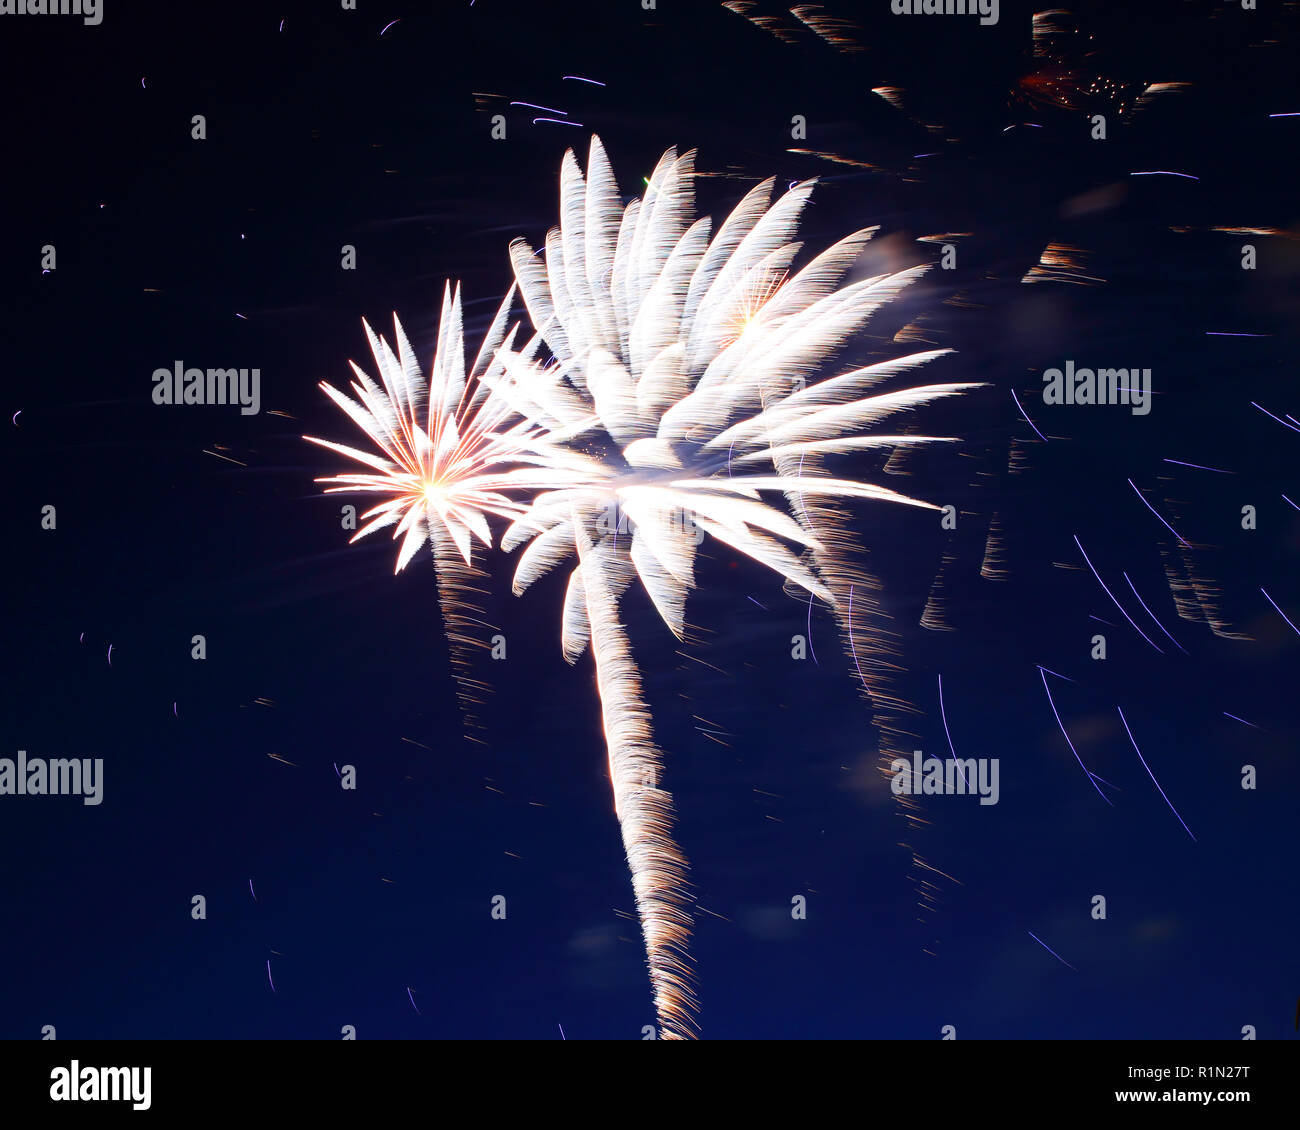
362, 896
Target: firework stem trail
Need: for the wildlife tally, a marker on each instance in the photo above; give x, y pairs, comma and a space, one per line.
458, 588
644, 811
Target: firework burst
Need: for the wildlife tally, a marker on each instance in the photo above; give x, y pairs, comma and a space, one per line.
448, 455
679, 362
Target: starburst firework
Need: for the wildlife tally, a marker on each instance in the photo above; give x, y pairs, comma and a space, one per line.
449, 455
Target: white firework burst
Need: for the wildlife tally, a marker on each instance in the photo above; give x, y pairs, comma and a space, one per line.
681, 363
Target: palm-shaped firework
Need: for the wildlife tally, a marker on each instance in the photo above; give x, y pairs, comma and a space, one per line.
450, 454
678, 362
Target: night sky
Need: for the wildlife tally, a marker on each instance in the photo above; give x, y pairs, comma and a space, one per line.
373, 906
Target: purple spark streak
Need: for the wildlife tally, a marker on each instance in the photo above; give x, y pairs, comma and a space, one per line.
15, 416
1285, 499
268, 974
251, 891
557, 121
579, 78
1050, 950
241, 316
110, 651
1272, 417
944, 716
812, 650
1153, 510
1222, 333
174, 714
1110, 594
397, 21
1057, 673
1152, 775
561, 1028
1026, 416
756, 602
1074, 751
1101, 621
282, 25
1153, 615
1288, 114
336, 770
852, 647
142, 85
1164, 173
412, 999
535, 106
1216, 470
1244, 722
83, 638
1281, 613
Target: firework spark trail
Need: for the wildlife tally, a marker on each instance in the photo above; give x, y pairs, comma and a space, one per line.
268, 975
944, 715
1026, 416
1050, 950
1042, 674
1243, 722
1152, 775
1153, 510
1110, 594
412, 1000
535, 106
1152, 614
852, 647
1281, 613
1272, 417
811, 596
1198, 467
